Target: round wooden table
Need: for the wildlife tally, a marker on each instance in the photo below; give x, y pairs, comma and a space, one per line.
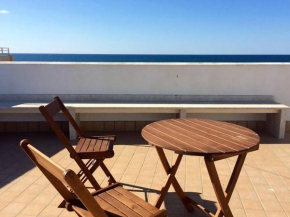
214, 140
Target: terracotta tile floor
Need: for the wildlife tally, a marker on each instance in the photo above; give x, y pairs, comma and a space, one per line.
263, 188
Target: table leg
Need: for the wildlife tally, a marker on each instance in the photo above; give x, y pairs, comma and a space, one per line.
171, 171
233, 180
224, 197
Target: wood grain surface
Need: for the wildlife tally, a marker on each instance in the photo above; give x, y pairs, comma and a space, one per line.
200, 136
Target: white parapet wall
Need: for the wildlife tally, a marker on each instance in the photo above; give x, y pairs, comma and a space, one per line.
147, 78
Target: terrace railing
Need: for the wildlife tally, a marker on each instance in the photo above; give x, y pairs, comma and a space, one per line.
4, 50
5, 54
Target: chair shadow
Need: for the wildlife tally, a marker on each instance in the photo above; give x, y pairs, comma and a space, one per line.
14, 162
172, 203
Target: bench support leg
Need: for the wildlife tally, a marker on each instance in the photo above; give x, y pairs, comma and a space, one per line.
72, 132
182, 113
276, 124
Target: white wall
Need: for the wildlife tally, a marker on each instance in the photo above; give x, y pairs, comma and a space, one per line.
147, 78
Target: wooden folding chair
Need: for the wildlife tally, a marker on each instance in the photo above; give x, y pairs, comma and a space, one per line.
95, 149
110, 201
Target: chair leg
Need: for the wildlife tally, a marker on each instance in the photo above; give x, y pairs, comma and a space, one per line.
94, 166
88, 165
87, 174
111, 178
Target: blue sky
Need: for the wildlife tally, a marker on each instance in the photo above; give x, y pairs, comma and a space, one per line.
146, 27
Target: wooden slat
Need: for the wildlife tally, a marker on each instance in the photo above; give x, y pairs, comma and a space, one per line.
85, 145
250, 135
185, 141
160, 213
163, 142
104, 145
209, 134
80, 144
175, 140
108, 207
221, 132
83, 194
69, 117
136, 199
129, 203
118, 205
234, 127
98, 145
194, 138
53, 108
92, 145
80, 211
200, 137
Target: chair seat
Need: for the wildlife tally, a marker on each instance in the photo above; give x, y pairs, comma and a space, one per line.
95, 147
117, 201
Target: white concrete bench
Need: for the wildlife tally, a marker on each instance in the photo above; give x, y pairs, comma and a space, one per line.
275, 112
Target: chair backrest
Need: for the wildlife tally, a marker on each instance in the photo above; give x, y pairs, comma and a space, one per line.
59, 178
54, 108
49, 111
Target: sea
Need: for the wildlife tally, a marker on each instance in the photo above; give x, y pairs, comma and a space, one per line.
148, 58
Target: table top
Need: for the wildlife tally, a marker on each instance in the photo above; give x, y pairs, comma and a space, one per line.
200, 136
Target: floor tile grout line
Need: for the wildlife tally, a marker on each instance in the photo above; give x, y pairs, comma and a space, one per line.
140, 167
46, 185
272, 168
31, 203
138, 146
158, 162
271, 185
14, 183
276, 170
114, 164
141, 170
27, 187
43, 189
249, 155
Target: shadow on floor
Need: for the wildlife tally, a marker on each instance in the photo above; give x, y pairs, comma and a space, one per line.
128, 138
267, 138
14, 162
172, 203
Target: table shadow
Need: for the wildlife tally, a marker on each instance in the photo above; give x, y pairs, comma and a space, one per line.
172, 203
